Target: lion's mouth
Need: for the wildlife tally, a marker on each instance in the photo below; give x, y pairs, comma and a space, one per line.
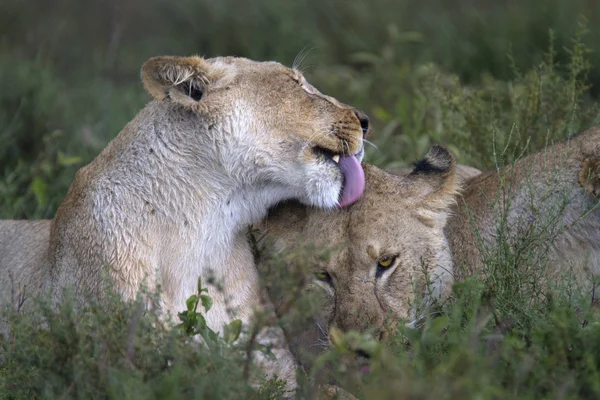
364, 361
354, 176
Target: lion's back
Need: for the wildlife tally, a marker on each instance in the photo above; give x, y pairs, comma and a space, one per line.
23, 253
541, 194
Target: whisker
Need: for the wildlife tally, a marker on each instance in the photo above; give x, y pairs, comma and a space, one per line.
305, 68
371, 144
300, 57
323, 331
308, 142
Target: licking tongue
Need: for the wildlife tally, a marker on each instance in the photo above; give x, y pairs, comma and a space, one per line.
354, 180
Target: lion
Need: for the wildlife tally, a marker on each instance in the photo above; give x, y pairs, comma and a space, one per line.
169, 199
403, 244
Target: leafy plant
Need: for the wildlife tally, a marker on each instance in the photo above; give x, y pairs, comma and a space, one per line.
193, 322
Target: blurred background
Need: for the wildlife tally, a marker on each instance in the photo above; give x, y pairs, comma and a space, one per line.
485, 77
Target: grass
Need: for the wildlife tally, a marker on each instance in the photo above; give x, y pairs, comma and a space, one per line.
112, 349
492, 80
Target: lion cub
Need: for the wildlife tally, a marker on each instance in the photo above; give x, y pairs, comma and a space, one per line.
407, 227
168, 199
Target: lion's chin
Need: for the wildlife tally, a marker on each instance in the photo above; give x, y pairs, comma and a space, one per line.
333, 181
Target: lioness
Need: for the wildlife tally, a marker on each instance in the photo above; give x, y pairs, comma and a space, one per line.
407, 227
169, 198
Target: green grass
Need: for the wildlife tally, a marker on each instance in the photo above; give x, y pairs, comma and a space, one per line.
492, 80
112, 349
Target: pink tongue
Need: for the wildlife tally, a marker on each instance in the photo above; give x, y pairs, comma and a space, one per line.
354, 180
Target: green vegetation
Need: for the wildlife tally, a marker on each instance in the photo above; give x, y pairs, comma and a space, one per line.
490, 79
117, 350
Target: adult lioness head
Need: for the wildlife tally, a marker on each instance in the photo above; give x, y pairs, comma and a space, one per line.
395, 236
382, 245
267, 115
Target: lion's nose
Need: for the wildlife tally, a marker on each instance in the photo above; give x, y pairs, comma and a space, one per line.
364, 122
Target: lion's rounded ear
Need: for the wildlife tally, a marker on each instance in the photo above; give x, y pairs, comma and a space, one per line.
434, 181
183, 79
589, 176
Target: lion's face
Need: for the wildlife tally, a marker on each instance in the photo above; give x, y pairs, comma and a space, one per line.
271, 127
384, 248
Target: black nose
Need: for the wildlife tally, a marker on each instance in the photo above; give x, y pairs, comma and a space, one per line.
362, 353
364, 122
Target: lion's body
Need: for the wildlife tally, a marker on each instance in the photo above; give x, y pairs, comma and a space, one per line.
420, 219
168, 200
153, 219
23, 256
528, 196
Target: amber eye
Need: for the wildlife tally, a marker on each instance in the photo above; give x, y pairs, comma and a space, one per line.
322, 276
385, 262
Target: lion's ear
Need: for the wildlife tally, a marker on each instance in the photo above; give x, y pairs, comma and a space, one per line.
183, 79
434, 184
589, 176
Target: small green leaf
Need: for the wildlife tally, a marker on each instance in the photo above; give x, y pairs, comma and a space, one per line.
206, 302
211, 334
231, 331
191, 302
200, 322
337, 338
191, 318
38, 187
66, 161
437, 325
199, 284
265, 350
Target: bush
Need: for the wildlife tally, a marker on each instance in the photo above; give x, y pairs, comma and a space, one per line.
117, 349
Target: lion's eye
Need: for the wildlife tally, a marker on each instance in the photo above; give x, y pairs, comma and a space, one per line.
300, 80
322, 276
385, 262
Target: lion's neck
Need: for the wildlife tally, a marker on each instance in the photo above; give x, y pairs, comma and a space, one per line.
211, 238
181, 199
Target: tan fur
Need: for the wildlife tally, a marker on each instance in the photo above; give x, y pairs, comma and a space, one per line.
463, 173
397, 215
170, 197
389, 220
23, 252
589, 176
